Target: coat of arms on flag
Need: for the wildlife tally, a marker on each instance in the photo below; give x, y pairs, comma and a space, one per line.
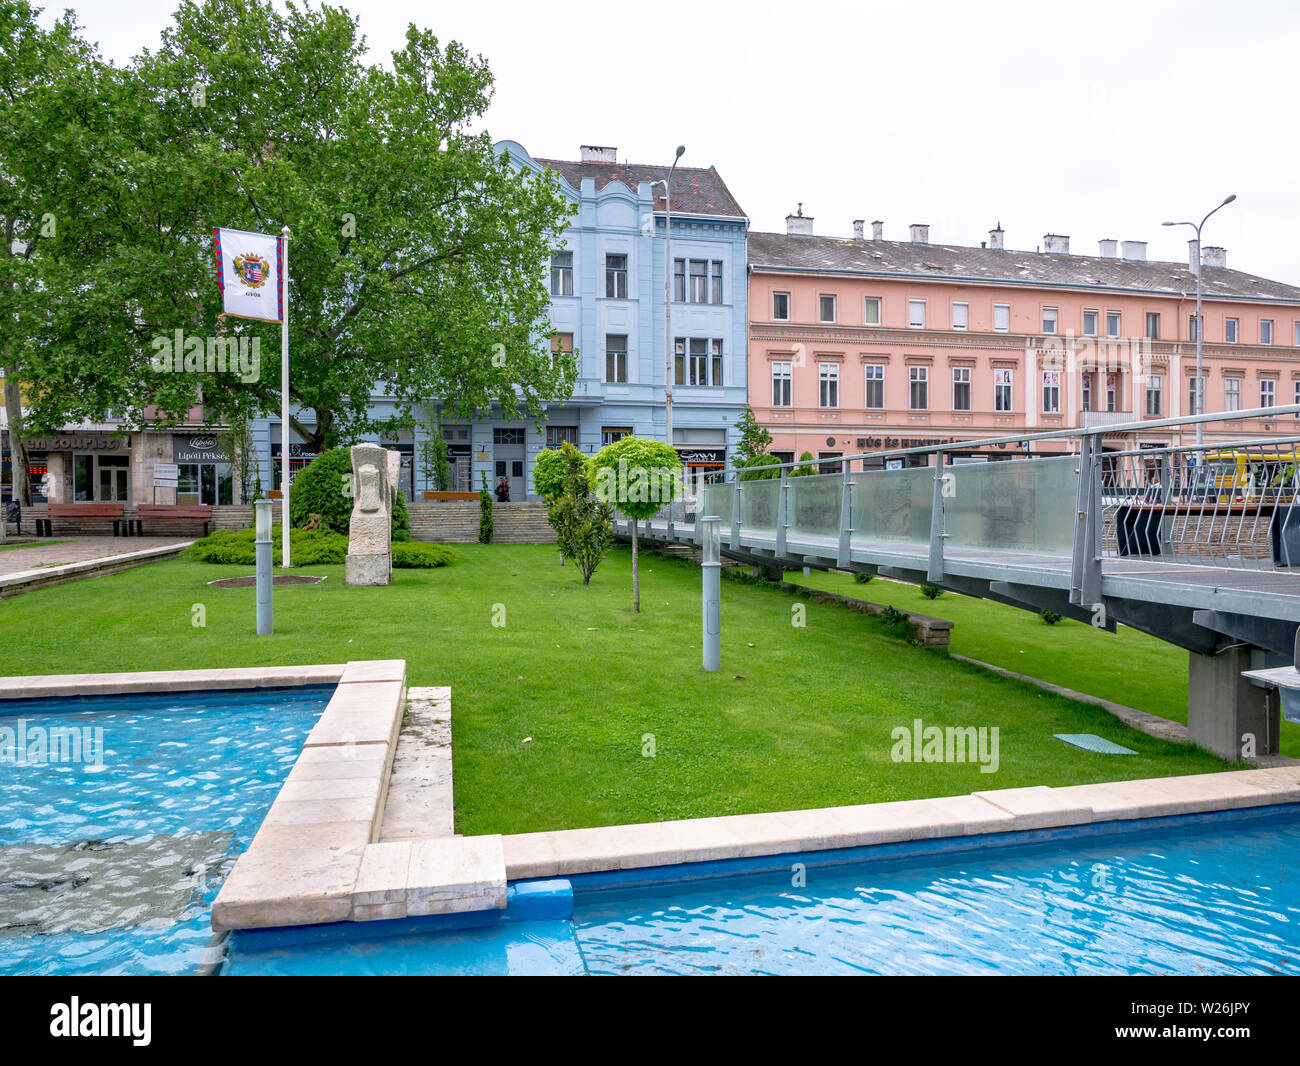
248, 273
252, 270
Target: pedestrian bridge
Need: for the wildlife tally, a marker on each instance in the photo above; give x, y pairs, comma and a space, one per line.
1196, 545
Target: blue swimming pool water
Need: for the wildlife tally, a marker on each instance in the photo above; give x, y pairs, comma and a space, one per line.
112, 868
1206, 895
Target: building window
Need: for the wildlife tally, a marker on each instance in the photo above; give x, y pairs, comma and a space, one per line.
1002, 380
1110, 392
960, 315
1155, 388
561, 344
1112, 323
210, 483
1297, 397
826, 303
1230, 330
616, 277
679, 361
1001, 317
1267, 392
1153, 326
1232, 394
782, 384
781, 306
1090, 323
101, 477
1051, 392
1049, 319
699, 281
1086, 394
918, 388
610, 434
828, 382
697, 363
1191, 326
715, 281
557, 435
561, 273
1195, 395
715, 362
871, 311
616, 357
679, 281
961, 388
873, 391
1265, 331
1296, 340
916, 314
694, 359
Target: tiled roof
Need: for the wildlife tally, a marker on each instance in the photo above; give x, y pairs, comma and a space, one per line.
695, 191
957, 263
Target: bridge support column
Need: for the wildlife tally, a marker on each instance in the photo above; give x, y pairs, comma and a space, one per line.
1226, 714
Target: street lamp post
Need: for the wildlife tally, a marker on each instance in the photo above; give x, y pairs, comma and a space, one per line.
1200, 322
668, 297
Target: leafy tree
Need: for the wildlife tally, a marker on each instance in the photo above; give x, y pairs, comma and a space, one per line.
417, 254
584, 526
435, 458
805, 467
637, 476
754, 439
551, 471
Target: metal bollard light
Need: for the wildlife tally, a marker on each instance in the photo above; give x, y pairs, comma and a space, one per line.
264, 559
711, 571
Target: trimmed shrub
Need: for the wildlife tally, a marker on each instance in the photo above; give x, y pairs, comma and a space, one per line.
861, 577
417, 555
318, 489
311, 547
401, 520
930, 592
1050, 617
484, 512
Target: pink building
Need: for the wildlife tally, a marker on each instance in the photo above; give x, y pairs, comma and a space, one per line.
861, 344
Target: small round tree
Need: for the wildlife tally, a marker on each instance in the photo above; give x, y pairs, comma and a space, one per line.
637, 476
549, 474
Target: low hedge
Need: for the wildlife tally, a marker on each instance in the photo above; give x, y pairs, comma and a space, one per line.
310, 547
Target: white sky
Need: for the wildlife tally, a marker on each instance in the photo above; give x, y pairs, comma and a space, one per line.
1097, 120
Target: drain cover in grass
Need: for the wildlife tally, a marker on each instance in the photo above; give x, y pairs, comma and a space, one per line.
1091, 742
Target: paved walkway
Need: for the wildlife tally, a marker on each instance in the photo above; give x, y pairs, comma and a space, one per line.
76, 550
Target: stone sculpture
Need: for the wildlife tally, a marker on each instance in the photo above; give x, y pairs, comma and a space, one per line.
374, 488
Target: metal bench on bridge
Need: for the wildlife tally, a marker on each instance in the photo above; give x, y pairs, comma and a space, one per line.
111, 512
169, 512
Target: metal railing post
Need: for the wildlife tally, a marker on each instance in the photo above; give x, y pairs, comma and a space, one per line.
782, 514
1091, 590
735, 514
1083, 494
698, 534
934, 571
843, 555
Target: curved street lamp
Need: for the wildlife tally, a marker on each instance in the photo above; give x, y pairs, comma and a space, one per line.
1200, 324
667, 183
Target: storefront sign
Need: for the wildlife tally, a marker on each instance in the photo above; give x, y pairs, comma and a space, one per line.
90, 441
702, 456
165, 475
199, 448
904, 442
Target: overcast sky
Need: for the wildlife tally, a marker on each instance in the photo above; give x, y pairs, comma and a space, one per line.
1097, 120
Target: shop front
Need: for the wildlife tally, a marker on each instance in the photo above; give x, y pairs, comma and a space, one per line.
205, 471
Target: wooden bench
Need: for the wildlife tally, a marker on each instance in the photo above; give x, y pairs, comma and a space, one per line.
170, 512
80, 511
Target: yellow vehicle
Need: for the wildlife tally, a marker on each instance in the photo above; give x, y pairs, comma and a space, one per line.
1245, 476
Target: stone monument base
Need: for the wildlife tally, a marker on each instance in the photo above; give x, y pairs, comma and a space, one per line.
367, 570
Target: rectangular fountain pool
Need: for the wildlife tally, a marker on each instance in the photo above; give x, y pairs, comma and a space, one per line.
1201, 894
120, 817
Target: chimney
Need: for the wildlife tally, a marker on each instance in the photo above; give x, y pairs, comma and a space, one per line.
995, 238
858, 224
1193, 260
594, 153
1109, 248
1056, 244
799, 225
877, 230
920, 233
1136, 251
1212, 255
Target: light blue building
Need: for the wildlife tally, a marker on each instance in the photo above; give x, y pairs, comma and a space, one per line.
607, 298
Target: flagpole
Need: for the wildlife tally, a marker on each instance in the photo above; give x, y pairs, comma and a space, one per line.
284, 402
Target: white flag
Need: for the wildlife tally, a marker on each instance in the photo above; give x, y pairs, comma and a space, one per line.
248, 273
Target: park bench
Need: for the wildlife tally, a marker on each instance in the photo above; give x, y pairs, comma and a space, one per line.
80, 512
170, 512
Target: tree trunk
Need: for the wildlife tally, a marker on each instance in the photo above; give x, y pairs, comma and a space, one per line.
17, 446
636, 577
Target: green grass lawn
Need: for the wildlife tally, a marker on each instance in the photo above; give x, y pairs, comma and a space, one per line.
1126, 667
555, 710
36, 544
